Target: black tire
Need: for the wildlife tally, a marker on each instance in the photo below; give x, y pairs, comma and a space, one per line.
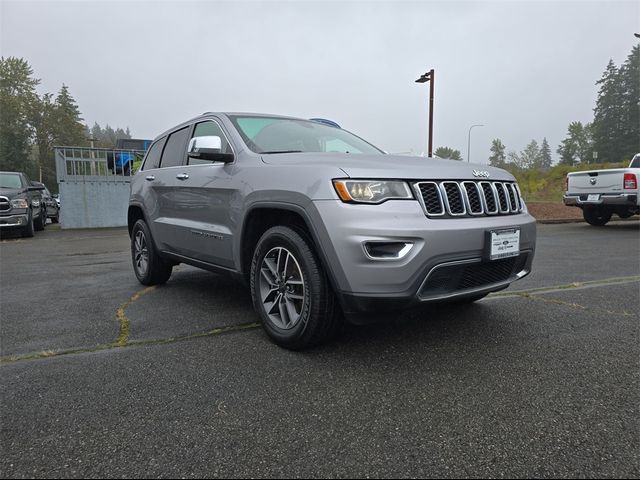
149, 267
596, 216
56, 219
41, 221
318, 316
28, 231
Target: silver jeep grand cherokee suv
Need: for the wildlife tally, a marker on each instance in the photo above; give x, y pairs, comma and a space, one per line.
321, 224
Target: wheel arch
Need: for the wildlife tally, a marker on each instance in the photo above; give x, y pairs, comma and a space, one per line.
264, 215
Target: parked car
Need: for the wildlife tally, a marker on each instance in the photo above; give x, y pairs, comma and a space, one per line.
321, 224
21, 205
51, 205
602, 193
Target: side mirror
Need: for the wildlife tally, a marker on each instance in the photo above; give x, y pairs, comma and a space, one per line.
35, 188
208, 148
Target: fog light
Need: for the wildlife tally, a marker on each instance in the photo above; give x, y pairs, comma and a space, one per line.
387, 250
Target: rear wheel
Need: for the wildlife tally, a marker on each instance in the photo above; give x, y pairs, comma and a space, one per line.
149, 267
596, 216
291, 291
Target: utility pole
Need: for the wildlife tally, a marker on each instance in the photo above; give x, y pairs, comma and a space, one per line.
429, 77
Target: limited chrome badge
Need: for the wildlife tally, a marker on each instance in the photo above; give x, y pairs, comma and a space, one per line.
481, 173
593, 180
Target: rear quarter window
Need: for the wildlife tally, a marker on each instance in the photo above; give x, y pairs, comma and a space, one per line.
176, 148
152, 159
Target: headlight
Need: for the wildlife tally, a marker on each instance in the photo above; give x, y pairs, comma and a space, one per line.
20, 203
371, 191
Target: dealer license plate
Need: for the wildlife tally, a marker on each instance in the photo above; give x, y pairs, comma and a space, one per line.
505, 243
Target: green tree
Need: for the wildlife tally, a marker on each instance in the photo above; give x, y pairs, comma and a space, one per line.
107, 137
498, 157
609, 115
17, 99
629, 78
55, 123
69, 129
545, 155
530, 156
448, 153
578, 146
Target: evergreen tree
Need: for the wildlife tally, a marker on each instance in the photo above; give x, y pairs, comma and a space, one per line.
545, 155
448, 153
17, 99
609, 116
69, 129
629, 78
498, 157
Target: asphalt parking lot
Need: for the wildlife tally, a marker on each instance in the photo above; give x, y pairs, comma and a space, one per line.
100, 377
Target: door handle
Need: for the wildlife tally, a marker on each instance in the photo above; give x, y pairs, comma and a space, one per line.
150, 178
182, 176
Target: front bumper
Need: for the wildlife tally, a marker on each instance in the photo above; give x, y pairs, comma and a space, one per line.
622, 199
366, 284
13, 221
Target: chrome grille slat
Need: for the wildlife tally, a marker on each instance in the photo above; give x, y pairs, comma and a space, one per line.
5, 204
431, 198
451, 198
473, 197
503, 202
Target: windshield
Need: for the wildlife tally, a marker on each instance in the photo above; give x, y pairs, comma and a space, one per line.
10, 180
287, 135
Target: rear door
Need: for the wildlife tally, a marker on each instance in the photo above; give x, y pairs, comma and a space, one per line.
164, 201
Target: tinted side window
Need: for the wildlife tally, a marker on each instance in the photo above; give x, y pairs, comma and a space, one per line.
635, 163
153, 155
176, 148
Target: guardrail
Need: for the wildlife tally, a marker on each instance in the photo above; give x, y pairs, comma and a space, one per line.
80, 164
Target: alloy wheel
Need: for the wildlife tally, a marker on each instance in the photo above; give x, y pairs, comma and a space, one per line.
282, 288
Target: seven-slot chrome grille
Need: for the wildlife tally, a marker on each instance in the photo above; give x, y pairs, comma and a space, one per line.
447, 199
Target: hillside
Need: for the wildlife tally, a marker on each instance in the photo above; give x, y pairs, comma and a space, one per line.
549, 185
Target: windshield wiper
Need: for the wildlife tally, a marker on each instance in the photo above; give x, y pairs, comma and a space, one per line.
283, 151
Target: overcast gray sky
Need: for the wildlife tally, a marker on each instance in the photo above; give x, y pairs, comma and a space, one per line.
525, 69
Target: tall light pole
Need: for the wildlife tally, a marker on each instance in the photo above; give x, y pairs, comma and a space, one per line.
429, 77
469, 142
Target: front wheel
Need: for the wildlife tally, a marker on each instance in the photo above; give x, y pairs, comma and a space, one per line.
27, 231
596, 216
149, 267
41, 221
291, 291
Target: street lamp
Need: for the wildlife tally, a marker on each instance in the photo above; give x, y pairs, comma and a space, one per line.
469, 142
429, 77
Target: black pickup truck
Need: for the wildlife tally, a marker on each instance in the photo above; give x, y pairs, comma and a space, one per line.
21, 205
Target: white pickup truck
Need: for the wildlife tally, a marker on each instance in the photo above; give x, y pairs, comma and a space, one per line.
601, 193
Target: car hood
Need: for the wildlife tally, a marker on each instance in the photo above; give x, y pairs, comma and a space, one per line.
390, 166
11, 192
